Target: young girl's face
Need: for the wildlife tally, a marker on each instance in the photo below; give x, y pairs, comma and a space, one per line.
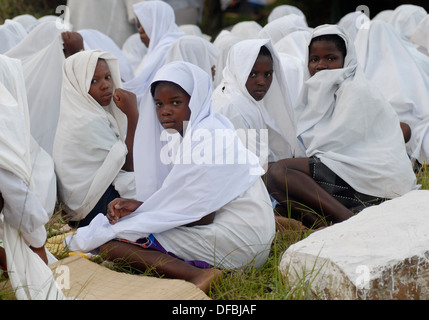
101, 88
324, 55
260, 78
172, 105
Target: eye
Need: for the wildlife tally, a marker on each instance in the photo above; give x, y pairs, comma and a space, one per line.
314, 59
269, 74
332, 59
108, 77
252, 74
93, 81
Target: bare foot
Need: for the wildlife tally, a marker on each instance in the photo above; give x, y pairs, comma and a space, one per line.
206, 278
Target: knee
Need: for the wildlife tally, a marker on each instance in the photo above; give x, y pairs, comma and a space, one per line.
276, 176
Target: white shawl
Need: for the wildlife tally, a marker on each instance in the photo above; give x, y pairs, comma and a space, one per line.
157, 19
284, 10
195, 50
281, 27
405, 19
30, 277
343, 120
94, 39
421, 36
184, 190
274, 112
401, 73
11, 33
41, 54
89, 147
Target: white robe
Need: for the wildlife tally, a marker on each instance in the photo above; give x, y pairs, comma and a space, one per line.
28, 187
94, 39
41, 54
272, 117
11, 33
195, 50
347, 123
157, 19
183, 191
89, 147
401, 73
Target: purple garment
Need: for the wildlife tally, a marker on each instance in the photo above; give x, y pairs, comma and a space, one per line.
152, 243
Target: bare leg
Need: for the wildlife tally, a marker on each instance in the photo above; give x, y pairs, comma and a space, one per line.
143, 259
289, 181
3, 263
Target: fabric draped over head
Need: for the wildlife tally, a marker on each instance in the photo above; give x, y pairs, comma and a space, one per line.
30, 277
11, 33
94, 39
89, 147
421, 35
284, 10
186, 189
195, 50
157, 19
281, 27
343, 120
41, 54
274, 112
405, 19
400, 72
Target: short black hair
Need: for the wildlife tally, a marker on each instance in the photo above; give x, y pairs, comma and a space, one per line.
339, 42
265, 52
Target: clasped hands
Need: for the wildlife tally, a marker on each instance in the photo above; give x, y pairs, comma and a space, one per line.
121, 207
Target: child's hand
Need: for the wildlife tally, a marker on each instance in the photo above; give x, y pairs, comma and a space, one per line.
126, 101
73, 43
120, 207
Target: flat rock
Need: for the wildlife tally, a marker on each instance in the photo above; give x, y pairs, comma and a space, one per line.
380, 254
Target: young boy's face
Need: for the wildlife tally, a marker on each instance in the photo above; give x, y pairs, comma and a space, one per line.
172, 106
324, 55
260, 77
101, 88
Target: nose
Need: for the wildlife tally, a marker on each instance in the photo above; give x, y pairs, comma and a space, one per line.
322, 65
166, 111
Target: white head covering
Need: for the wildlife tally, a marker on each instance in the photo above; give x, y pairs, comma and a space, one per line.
134, 50
421, 35
157, 19
11, 33
274, 112
401, 73
295, 44
94, 39
405, 19
193, 30
195, 50
284, 10
29, 275
89, 147
180, 192
343, 120
223, 42
353, 22
41, 54
281, 27
27, 21
383, 15
246, 29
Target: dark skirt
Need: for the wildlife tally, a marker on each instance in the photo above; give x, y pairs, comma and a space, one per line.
339, 189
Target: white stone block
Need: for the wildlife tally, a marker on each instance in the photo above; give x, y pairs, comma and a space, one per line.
381, 253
